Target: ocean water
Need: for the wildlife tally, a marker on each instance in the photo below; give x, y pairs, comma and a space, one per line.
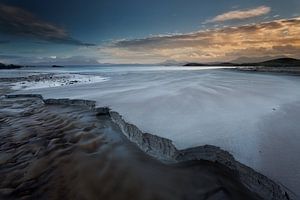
254, 116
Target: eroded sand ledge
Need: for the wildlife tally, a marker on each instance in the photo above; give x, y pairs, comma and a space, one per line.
164, 150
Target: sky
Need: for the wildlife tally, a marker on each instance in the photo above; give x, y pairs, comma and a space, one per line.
146, 31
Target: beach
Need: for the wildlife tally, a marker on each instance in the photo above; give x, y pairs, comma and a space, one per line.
149, 100
77, 133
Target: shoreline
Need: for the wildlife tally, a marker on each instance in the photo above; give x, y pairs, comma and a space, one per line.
269, 70
163, 149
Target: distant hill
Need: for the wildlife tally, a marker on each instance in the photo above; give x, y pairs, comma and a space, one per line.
10, 66
172, 63
212, 64
255, 59
279, 62
195, 64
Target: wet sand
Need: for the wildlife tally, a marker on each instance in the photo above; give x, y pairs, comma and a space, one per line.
67, 152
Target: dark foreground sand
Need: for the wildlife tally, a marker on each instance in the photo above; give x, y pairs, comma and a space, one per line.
67, 152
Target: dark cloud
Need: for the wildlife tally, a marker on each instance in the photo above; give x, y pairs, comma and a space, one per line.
17, 21
169, 41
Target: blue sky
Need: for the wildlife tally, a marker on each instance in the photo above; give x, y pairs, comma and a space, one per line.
95, 30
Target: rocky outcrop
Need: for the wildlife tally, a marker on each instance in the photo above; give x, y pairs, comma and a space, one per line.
158, 147
253, 180
71, 102
261, 184
102, 111
65, 101
207, 152
164, 150
25, 96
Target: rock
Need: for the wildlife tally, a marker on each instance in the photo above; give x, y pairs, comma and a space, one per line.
74, 102
24, 96
158, 147
102, 111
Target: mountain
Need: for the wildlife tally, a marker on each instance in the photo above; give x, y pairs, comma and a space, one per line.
172, 63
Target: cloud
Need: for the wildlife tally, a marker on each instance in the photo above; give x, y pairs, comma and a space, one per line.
17, 21
273, 38
241, 14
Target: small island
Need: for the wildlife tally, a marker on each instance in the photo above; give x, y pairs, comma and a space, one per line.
10, 66
57, 66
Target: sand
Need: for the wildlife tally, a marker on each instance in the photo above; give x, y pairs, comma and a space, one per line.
67, 152
243, 113
55, 140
